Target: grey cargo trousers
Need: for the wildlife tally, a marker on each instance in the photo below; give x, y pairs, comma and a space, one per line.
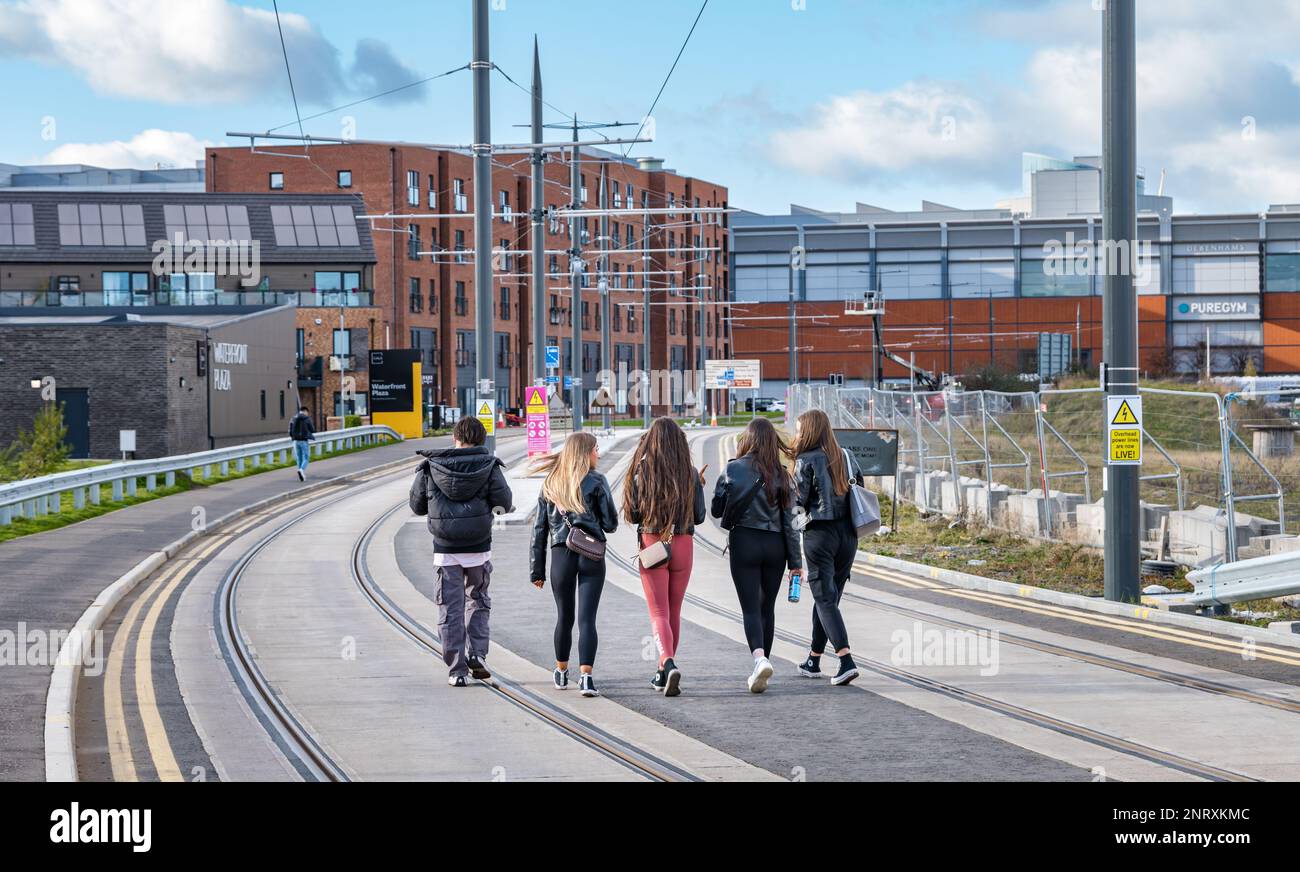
464, 608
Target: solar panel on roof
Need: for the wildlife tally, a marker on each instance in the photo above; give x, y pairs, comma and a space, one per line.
16, 226
90, 224
314, 225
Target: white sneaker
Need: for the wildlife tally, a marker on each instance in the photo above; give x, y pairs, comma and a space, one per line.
302, 476
759, 677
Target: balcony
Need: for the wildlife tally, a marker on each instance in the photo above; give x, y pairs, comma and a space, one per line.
464, 357
462, 305
129, 299
311, 371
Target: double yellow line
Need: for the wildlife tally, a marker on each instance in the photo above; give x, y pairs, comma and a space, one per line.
155, 597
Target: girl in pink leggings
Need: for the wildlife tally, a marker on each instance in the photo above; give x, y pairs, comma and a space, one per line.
664, 497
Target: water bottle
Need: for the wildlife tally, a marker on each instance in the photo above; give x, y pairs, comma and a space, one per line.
796, 585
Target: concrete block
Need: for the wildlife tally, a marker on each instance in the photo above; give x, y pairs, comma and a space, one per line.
1284, 626
1198, 534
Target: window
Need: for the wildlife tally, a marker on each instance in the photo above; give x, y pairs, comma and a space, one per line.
613, 234
416, 299
460, 202
433, 296
586, 316
68, 284
504, 202
301, 344
630, 241
461, 257
631, 321
553, 222
281, 405
672, 322
277, 181
645, 200
412, 188
629, 195
262, 403
433, 193
342, 342
345, 178
17, 226
462, 304
586, 231
616, 320
618, 196
413, 241
335, 283
582, 187
123, 288
464, 348
504, 308
672, 243
357, 404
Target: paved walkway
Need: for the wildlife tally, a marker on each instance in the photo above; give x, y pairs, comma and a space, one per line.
48, 579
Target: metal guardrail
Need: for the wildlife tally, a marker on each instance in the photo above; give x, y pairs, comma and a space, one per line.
34, 497
1274, 575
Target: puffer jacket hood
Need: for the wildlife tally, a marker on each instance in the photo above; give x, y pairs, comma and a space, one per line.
459, 490
460, 473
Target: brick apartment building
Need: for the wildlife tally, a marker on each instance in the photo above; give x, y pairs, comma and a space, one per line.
424, 272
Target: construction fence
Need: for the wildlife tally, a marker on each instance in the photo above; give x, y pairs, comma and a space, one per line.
1033, 463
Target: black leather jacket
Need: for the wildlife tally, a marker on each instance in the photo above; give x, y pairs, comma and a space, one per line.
458, 488
551, 528
816, 494
698, 515
740, 500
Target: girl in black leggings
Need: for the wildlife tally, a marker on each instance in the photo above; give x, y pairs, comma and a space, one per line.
753, 499
823, 472
574, 497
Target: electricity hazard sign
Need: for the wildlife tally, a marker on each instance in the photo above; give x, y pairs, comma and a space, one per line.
1124, 430
486, 411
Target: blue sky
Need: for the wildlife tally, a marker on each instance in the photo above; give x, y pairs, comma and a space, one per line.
822, 102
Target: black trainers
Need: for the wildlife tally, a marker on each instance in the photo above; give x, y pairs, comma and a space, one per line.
457, 681
672, 678
658, 680
811, 668
561, 677
848, 671
478, 670
586, 685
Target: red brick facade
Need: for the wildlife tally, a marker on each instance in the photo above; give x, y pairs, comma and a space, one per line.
421, 293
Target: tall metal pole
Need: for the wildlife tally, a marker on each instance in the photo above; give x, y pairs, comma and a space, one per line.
1119, 303
794, 334
645, 318
605, 337
481, 67
575, 276
539, 233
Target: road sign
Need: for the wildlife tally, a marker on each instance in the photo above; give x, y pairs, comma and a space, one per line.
486, 412
552, 357
538, 421
552, 379
727, 374
568, 382
1124, 430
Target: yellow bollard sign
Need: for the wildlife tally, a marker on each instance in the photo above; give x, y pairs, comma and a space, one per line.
1124, 430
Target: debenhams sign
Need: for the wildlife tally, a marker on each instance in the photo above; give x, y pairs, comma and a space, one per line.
1216, 308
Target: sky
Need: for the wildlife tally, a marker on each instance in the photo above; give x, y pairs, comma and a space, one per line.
823, 103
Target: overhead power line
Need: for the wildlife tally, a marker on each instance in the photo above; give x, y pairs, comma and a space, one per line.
680, 51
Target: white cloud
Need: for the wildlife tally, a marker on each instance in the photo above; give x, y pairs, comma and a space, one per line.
868, 133
145, 150
196, 51
1202, 69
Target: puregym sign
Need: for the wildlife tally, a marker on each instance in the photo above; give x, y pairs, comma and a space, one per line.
1215, 308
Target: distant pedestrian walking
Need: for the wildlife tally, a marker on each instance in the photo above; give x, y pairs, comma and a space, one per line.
574, 512
459, 489
754, 500
302, 433
664, 497
822, 473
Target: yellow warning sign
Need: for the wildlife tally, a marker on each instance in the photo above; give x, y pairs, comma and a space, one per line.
1124, 415
487, 415
535, 400
1126, 446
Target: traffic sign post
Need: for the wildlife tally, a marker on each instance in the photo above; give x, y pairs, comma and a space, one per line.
538, 421
552, 357
1124, 430
485, 409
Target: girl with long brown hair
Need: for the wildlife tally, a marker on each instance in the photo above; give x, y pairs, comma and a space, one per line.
754, 500
822, 473
574, 496
664, 497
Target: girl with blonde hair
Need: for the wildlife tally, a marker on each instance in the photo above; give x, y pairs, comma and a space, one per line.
575, 497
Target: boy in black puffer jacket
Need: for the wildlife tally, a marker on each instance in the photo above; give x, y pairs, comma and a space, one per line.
459, 489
